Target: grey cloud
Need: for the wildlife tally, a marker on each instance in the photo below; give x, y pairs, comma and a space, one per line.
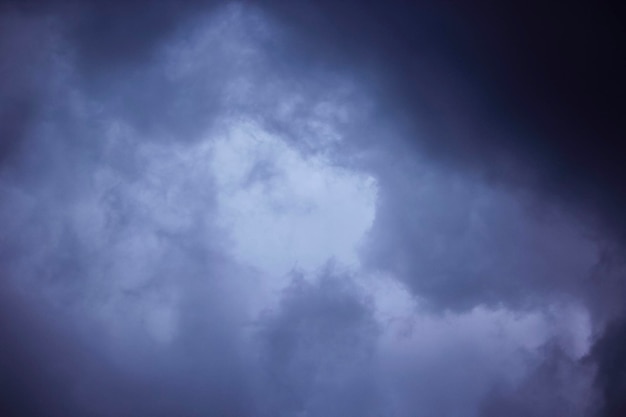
26, 52
608, 353
114, 35
55, 363
318, 351
459, 243
556, 386
107, 212
503, 93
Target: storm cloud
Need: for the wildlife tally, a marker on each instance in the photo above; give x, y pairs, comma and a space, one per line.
310, 209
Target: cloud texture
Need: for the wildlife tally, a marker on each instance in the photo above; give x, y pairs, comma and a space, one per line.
310, 209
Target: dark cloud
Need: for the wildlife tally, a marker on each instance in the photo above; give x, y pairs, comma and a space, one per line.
608, 353
461, 244
489, 84
54, 366
557, 386
318, 351
491, 131
110, 35
526, 94
25, 53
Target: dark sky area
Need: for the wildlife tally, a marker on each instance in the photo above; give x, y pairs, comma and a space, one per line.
312, 208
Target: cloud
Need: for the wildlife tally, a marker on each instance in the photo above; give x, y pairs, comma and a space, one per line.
608, 353
318, 351
301, 209
460, 243
556, 386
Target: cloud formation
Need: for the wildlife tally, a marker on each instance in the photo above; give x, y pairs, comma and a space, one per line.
308, 209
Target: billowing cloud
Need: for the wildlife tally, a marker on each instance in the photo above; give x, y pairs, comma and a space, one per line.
298, 209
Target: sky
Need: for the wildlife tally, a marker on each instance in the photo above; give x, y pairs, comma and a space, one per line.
312, 209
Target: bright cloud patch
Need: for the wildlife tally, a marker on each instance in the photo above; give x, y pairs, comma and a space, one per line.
286, 210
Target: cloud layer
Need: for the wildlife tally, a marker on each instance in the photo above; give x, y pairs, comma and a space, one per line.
297, 209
